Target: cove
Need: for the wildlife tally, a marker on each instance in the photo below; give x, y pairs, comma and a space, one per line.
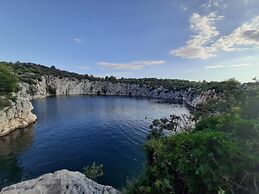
75, 131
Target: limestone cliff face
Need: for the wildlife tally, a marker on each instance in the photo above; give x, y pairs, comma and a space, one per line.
60, 182
66, 86
18, 115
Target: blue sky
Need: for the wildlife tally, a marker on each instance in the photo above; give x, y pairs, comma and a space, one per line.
186, 39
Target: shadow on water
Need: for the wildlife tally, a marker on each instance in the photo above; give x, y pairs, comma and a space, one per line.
11, 146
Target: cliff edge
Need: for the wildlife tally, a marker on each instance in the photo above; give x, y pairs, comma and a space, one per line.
59, 182
17, 115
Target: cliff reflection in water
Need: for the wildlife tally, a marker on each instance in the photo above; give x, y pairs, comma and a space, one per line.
74, 131
11, 146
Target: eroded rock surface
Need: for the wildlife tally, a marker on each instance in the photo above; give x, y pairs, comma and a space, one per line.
18, 115
60, 182
68, 86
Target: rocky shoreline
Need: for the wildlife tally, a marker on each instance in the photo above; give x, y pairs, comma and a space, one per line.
68, 86
19, 114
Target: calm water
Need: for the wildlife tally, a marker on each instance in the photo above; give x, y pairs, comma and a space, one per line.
72, 132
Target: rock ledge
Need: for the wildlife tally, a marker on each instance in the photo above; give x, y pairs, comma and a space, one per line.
18, 115
59, 182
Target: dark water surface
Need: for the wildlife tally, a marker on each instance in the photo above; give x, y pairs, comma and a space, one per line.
72, 132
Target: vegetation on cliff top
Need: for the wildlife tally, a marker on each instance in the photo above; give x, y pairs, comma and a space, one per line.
8, 80
8, 84
29, 73
219, 156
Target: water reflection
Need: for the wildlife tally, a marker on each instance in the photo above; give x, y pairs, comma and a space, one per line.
72, 132
11, 146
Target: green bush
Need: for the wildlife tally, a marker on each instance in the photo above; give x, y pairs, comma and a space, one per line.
8, 80
94, 171
8, 83
219, 156
200, 162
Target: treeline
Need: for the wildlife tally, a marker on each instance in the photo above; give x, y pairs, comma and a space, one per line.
29, 72
177, 84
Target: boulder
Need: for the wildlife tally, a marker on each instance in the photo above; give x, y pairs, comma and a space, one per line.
59, 182
18, 115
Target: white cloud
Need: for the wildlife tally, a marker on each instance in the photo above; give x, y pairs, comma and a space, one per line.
243, 37
205, 31
242, 65
232, 66
135, 65
214, 66
204, 43
78, 40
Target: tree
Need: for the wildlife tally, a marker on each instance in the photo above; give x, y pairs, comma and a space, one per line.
8, 80
112, 79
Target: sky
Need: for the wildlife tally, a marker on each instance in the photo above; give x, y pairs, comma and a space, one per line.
177, 39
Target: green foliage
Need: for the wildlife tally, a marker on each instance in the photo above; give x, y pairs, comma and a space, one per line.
219, 156
232, 94
250, 106
8, 84
201, 162
94, 171
8, 80
29, 73
193, 163
32, 89
4, 103
111, 78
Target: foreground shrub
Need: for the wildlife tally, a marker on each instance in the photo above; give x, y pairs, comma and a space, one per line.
219, 156
200, 162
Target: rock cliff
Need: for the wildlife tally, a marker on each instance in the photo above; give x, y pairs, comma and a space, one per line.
18, 115
60, 182
66, 86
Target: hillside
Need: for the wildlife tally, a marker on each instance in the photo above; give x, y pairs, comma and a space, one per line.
30, 72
